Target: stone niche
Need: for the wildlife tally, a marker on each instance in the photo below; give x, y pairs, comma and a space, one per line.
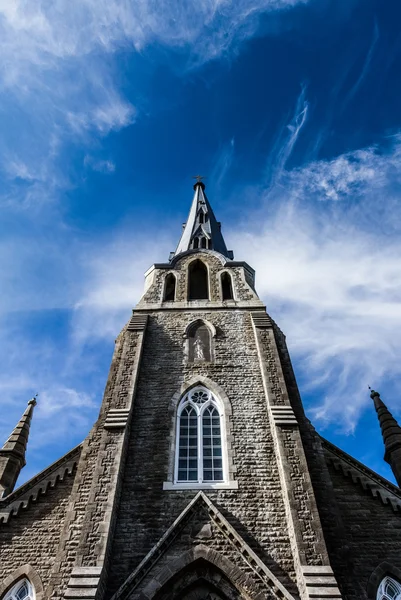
199, 343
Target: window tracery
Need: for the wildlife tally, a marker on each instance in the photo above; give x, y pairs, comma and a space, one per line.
389, 589
199, 447
22, 590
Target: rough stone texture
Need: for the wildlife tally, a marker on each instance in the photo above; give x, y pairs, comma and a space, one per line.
257, 508
34, 534
110, 517
373, 534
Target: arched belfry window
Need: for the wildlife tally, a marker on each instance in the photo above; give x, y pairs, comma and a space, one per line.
23, 590
169, 288
226, 286
198, 281
389, 589
199, 447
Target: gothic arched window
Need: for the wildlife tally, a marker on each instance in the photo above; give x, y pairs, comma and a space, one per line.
169, 288
389, 589
199, 447
198, 285
226, 286
201, 216
22, 590
203, 242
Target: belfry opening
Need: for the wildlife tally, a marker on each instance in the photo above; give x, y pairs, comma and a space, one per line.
198, 281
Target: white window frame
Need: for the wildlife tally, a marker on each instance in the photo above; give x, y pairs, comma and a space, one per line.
200, 483
10, 595
381, 591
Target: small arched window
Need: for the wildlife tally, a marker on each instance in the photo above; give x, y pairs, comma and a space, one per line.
203, 242
198, 281
169, 288
199, 448
201, 217
226, 286
22, 590
196, 242
389, 589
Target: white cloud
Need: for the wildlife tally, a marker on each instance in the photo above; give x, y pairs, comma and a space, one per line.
331, 277
102, 166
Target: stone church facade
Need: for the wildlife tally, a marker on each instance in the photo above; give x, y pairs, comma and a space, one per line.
202, 478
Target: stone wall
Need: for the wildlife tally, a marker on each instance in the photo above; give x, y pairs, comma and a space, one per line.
34, 534
256, 509
373, 533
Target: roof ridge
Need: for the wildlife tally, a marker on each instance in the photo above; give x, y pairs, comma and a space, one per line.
388, 493
39, 484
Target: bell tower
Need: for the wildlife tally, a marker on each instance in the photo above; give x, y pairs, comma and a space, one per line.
194, 479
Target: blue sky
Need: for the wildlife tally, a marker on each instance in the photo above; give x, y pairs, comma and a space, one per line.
291, 108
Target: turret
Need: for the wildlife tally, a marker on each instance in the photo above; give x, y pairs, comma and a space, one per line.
391, 433
12, 455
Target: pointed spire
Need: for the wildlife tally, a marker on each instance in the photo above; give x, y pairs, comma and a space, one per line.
391, 433
12, 455
201, 229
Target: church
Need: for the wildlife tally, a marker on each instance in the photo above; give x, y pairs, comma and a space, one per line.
202, 478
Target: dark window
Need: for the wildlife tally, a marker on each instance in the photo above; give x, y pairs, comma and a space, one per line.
201, 217
203, 242
198, 286
227, 286
169, 289
196, 243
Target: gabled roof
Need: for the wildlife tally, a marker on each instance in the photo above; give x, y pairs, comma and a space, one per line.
201, 214
29, 492
259, 570
361, 475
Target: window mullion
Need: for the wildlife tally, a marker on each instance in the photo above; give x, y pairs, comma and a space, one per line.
200, 448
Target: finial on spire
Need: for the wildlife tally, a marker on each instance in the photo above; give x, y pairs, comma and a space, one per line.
199, 181
391, 433
33, 401
12, 454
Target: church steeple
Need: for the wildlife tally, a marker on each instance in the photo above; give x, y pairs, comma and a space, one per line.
391, 433
202, 229
12, 455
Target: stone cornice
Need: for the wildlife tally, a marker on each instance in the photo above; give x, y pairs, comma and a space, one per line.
360, 474
22, 497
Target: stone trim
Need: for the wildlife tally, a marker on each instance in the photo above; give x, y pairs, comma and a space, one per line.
320, 582
116, 418
241, 581
83, 583
383, 569
304, 526
218, 391
261, 319
251, 559
137, 322
283, 415
361, 475
11, 505
228, 485
23, 572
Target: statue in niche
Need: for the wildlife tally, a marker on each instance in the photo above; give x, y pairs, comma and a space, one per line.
199, 339
198, 349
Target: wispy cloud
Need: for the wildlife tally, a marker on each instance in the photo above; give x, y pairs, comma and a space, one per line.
332, 279
366, 65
